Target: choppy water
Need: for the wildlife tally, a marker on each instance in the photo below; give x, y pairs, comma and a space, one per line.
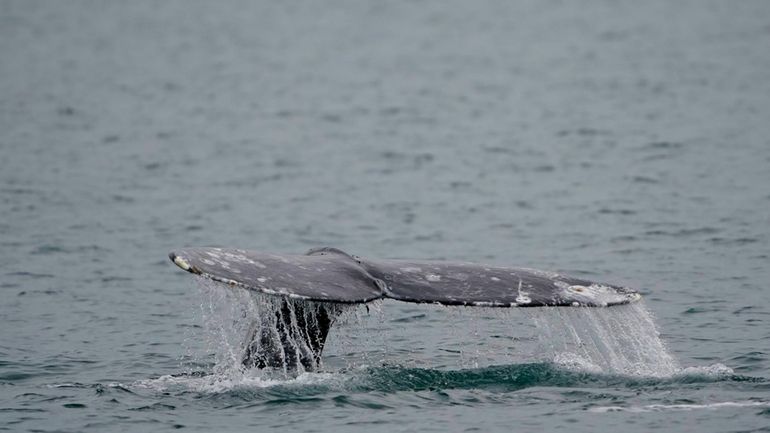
624, 142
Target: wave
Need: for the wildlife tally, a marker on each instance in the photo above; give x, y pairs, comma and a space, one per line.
684, 407
254, 384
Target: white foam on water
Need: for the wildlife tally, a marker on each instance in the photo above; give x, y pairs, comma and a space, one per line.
707, 370
682, 407
574, 362
615, 340
218, 383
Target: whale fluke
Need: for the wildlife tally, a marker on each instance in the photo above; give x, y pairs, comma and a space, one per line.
331, 275
327, 276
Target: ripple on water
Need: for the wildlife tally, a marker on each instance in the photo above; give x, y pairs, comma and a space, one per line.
681, 407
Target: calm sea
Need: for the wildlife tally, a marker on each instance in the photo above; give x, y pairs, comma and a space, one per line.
626, 142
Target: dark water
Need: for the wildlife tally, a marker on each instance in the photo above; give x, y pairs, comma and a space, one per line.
620, 141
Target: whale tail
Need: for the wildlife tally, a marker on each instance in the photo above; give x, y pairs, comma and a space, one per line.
312, 288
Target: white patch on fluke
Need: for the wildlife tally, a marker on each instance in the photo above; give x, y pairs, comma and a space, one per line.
522, 297
491, 304
182, 263
595, 294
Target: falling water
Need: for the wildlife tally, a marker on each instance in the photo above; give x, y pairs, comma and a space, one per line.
616, 340
234, 319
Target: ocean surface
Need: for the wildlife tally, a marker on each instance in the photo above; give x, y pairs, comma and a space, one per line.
626, 142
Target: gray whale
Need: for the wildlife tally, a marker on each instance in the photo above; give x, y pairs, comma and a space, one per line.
312, 286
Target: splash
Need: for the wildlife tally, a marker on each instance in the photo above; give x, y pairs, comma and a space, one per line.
244, 329
359, 339
618, 340
234, 381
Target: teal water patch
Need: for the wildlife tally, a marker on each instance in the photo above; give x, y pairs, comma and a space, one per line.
511, 378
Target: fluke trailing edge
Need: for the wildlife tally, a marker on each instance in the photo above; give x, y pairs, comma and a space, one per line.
326, 277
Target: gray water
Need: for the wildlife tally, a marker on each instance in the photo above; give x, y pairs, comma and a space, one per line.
620, 141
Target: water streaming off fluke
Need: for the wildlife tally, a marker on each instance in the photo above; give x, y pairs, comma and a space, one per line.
247, 330
618, 340
240, 324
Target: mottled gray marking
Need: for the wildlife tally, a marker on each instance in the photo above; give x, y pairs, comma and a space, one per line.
331, 275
